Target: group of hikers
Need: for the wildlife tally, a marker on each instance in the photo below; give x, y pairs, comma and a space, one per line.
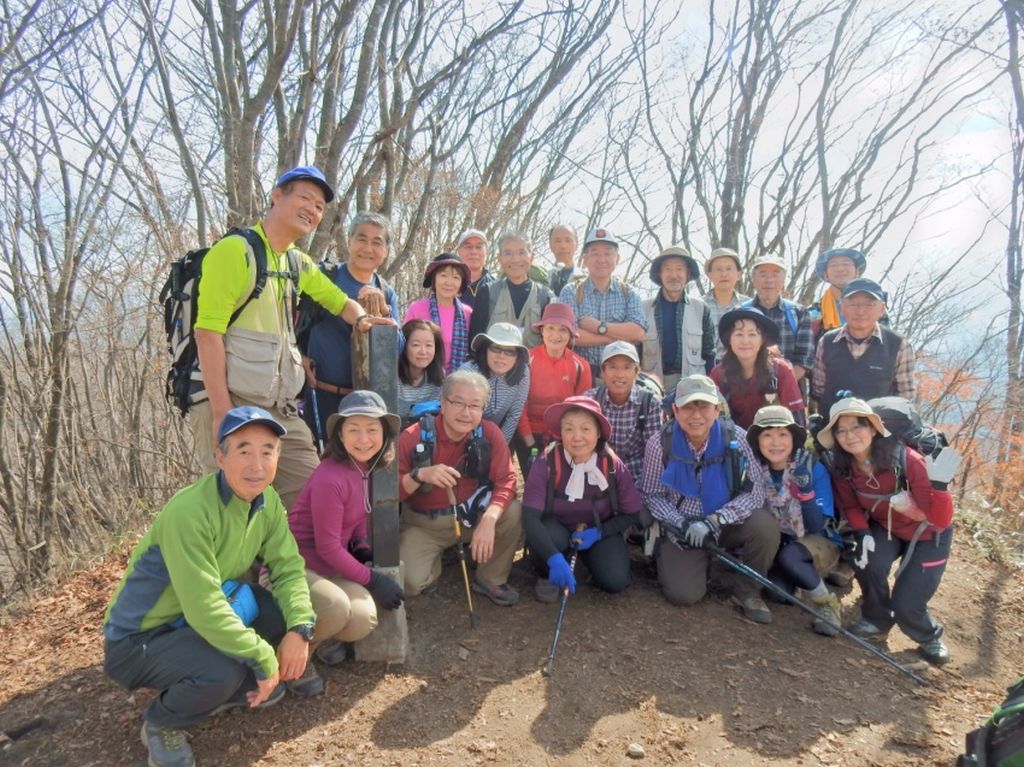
676, 424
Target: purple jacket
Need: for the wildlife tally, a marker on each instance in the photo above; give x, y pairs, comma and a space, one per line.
571, 513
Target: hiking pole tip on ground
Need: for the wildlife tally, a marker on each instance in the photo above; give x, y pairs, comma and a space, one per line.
549, 667
460, 551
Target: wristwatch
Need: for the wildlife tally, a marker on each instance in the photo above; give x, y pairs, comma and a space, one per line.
415, 475
304, 630
602, 328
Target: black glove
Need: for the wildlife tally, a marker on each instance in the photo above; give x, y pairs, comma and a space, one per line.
385, 591
361, 550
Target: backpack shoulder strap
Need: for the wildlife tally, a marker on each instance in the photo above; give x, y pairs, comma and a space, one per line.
608, 458
579, 374
645, 404
554, 475
666, 442
258, 251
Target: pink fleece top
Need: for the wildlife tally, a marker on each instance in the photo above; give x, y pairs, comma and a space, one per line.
420, 310
328, 513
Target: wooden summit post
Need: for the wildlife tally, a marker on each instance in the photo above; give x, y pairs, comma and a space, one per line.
375, 367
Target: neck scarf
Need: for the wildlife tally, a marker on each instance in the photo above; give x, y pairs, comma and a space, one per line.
831, 314
460, 331
703, 478
786, 509
583, 473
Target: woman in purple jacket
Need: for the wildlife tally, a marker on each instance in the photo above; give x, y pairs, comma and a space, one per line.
329, 524
579, 490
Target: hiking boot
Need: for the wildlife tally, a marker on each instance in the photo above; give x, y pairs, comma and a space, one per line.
840, 576
755, 609
238, 700
331, 653
865, 629
308, 685
502, 594
828, 606
934, 651
168, 747
545, 591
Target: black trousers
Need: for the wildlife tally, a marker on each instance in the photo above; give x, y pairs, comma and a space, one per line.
607, 560
193, 675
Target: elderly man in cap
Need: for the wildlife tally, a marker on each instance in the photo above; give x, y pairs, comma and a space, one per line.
706, 486
246, 343
472, 249
514, 297
680, 337
796, 339
606, 308
863, 356
182, 621
328, 344
633, 410
724, 269
836, 268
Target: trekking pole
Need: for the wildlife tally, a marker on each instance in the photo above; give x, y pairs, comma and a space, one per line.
549, 667
739, 567
316, 413
460, 549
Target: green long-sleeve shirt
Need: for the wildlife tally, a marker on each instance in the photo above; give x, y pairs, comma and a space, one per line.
206, 535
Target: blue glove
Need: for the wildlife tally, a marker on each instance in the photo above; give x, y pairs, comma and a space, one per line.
560, 574
801, 476
584, 539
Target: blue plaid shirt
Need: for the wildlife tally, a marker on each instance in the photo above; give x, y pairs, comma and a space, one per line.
627, 440
620, 303
797, 347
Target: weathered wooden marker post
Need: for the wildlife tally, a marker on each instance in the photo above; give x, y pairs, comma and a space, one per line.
375, 367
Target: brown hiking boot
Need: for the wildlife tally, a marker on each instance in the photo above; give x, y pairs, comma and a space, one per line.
829, 607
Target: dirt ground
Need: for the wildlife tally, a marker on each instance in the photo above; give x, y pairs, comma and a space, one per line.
697, 686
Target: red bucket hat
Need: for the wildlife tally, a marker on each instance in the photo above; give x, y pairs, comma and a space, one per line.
553, 415
558, 314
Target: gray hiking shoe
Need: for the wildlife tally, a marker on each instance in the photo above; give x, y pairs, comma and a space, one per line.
829, 607
331, 653
502, 594
755, 609
545, 591
934, 651
238, 700
865, 629
308, 685
168, 747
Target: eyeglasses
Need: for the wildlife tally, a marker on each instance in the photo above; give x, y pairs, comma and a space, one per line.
502, 350
459, 405
851, 430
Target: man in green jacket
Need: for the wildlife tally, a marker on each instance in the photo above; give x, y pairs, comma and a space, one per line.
171, 625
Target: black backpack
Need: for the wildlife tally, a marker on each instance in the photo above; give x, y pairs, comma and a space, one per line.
1000, 741
904, 422
180, 299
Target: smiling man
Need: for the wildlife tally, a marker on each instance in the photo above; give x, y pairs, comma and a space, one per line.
697, 488
514, 297
246, 343
171, 625
863, 356
328, 360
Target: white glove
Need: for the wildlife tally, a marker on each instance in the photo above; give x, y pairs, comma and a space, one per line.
945, 467
868, 546
900, 502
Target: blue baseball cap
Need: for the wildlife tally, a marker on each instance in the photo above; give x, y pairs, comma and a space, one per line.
864, 285
859, 262
307, 173
238, 417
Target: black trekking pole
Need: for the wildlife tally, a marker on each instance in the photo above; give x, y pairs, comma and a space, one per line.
460, 550
739, 567
316, 413
549, 667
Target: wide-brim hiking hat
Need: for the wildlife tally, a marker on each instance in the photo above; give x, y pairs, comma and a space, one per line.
500, 334
692, 270
769, 330
307, 173
774, 416
697, 388
558, 314
855, 255
864, 285
768, 260
718, 253
441, 261
620, 349
363, 402
237, 417
469, 234
553, 415
600, 234
849, 406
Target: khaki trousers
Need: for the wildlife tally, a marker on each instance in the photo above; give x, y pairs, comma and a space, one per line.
298, 456
423, 540
345, 611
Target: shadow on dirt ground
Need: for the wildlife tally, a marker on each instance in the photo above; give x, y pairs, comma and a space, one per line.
697, 685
